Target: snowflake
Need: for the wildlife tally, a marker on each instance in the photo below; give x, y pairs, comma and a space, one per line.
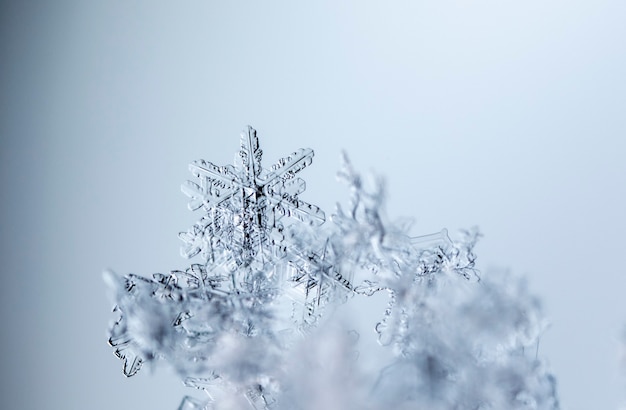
250, 327
245, 203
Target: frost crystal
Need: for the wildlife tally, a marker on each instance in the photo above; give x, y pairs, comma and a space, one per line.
252, 326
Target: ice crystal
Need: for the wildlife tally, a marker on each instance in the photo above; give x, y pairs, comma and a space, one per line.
251, 323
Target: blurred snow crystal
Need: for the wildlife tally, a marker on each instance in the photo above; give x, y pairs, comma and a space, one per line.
252, 324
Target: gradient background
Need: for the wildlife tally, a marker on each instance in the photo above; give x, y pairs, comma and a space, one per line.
501, 114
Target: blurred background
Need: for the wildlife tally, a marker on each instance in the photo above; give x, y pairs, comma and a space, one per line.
505, 115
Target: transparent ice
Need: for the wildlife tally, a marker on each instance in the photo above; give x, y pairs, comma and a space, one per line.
251, 323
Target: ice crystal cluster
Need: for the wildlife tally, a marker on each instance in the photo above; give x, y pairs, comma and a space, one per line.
253, 322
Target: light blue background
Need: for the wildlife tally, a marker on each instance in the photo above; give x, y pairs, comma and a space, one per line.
506, 115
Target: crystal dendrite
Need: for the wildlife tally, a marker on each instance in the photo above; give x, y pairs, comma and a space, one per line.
250, 324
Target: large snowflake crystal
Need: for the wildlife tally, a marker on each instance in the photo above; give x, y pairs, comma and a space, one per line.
244, 204
252, 324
